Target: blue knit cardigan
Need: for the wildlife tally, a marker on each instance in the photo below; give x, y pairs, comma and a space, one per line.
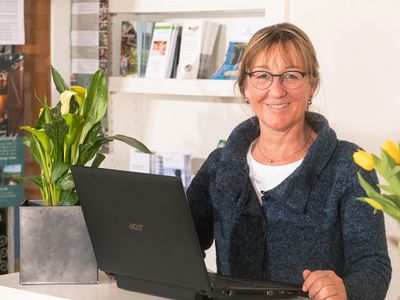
311, 220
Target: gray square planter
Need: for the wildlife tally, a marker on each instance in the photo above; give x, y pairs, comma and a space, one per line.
55, 246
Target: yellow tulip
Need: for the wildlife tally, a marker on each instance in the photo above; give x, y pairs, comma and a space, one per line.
65, 100
364, 160
393, 150
375, 204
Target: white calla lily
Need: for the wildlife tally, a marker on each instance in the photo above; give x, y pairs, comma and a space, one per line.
65, 101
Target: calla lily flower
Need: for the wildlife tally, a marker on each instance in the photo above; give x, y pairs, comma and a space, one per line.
393, 150
65, 101
80, 93
364, 160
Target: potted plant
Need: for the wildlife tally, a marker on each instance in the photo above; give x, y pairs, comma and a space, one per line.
67, 134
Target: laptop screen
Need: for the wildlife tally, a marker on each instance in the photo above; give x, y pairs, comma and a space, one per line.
140, 226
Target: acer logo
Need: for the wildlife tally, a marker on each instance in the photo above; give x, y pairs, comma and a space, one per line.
134, 226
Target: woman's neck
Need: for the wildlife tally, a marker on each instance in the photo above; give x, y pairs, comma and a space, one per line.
275, 147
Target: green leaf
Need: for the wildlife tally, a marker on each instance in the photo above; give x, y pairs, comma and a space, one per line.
73, 105
394, 198
41, 136
59, 169
59, 82
93, 133
34, 179
67, 182
56, 111
74, 123
35, 151
56, 131
131, 142
88, 151
387, 208
40, 121
69, 197
26, 140
372, 193
385, 165
395, 170
394, 183
386, 188
98, 160
95, 105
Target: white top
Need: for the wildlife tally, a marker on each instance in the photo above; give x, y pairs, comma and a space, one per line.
265, 177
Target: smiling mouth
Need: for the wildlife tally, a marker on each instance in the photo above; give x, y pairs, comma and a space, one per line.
278, 106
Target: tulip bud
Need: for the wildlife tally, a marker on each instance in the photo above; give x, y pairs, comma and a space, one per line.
364, 160
392, 150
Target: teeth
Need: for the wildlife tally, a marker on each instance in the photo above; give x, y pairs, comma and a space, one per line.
277, 106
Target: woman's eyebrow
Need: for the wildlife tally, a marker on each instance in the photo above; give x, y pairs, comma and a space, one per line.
288, 67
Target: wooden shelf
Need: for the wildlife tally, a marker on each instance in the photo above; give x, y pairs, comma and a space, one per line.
180, 87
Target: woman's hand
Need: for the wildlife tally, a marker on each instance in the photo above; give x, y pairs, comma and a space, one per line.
324, 285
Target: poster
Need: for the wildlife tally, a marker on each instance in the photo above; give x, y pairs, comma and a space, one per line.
11, 169
11, 118
11, 155
12, 31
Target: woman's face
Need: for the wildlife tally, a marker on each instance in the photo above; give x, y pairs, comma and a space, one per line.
277, 107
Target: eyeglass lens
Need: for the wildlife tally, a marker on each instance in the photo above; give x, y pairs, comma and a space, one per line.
263, 80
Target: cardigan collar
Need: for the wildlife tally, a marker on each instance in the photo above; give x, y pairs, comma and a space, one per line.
294, 190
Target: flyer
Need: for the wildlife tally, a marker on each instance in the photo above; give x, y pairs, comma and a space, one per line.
11, 169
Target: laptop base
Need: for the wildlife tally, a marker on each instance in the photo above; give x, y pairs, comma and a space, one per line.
158, 288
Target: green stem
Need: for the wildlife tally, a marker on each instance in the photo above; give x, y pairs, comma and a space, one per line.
67, 153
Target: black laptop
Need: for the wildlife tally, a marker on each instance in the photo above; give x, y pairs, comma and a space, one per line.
142, 232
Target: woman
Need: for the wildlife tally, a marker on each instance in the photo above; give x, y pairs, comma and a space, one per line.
280, 198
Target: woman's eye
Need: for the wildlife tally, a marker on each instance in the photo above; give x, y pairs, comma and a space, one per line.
264, 76
290, 76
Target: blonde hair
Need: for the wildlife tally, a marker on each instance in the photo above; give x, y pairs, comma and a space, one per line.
291, 40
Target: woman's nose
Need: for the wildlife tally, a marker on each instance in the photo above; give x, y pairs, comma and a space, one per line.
276, 89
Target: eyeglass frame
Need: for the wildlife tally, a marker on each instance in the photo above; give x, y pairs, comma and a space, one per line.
250, 74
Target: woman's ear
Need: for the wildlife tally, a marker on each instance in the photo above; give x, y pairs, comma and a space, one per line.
313, 87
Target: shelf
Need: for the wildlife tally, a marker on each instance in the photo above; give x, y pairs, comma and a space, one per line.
179, 87
274, 11
179, 6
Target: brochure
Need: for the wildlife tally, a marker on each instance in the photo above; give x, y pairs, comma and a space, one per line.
229, 69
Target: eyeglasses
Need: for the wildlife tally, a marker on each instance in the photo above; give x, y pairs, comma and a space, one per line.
290, 79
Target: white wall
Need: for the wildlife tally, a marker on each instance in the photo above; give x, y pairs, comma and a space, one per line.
358, 46
60, 42
359, 52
